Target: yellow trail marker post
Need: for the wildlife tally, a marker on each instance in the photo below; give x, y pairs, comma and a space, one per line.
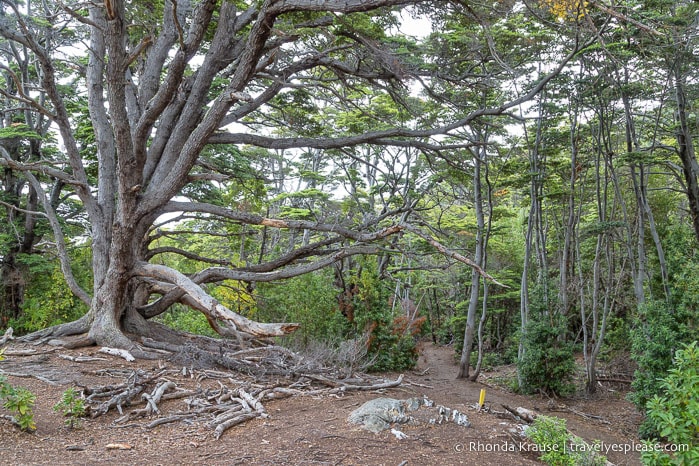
481, 399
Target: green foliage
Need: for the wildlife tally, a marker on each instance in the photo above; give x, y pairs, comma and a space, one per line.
20, 401
675, 413
548, 362
19, 131
452, 330
184, 319
682, 255
655, 335
391, 338
617, 336
310, 300
72, 406
49, 301
558, 446
551, 436
489, 362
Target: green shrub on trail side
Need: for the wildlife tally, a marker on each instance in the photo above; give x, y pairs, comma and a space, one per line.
674, 414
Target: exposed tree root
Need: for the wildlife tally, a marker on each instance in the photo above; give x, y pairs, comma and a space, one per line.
261, 373
77, 327
235, 398
71, 342
141, 342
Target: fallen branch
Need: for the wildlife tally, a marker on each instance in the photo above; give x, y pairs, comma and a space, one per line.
588, 416
26, 352
118, 352
81, 358
524, 414
221, 428
614, 380
36, 376
238, 398
415, 384
378, 386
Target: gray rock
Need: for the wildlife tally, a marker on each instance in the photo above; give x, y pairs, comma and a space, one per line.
378, 414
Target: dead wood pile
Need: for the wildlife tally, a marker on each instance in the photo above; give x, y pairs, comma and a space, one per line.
221, 399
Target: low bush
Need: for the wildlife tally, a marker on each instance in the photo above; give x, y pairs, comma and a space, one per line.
72, 406
559, 447
18, 400
674, 414
656, 334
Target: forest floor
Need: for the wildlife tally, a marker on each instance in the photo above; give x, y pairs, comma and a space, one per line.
299, 430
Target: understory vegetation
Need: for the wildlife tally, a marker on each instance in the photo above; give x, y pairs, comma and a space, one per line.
559, 447
516, 179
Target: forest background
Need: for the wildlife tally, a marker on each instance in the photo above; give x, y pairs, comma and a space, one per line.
516, 178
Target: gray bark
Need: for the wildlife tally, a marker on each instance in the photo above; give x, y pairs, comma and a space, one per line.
154, 110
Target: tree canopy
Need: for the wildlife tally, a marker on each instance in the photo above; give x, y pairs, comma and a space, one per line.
199, 150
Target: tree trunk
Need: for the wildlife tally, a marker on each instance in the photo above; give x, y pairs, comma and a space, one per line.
469, 333
13, 279
486, 239
690, 167
637, 260
535, 235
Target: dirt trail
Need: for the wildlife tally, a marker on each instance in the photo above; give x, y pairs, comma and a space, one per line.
302, 430
606, 417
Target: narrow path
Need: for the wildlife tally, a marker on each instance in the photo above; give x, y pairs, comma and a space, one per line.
438, 366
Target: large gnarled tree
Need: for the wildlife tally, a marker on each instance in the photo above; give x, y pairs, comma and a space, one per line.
163, 83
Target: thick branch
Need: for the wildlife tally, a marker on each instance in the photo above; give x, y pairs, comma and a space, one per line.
338, 6
212, 308
253, 274
42, 168
253, 219
187, 254
219, 273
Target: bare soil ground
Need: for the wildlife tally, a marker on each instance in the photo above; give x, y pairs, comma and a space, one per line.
299, 430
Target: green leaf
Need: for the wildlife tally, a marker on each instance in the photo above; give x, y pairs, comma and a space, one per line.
18, 130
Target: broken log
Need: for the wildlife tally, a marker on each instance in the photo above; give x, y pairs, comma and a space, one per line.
524, 414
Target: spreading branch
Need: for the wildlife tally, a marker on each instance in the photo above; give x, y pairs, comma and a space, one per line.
209, 305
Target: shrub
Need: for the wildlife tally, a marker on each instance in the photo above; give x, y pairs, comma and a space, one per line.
548, 363
18, 399
49, 302
559, 447
391, 337
310, 300
187, 320
72, 406
657, 333
675, 413
489, 362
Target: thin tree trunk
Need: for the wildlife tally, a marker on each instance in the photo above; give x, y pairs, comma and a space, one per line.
534, 234
690, 167
486, 238
469, 333
567, 261
637, 260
